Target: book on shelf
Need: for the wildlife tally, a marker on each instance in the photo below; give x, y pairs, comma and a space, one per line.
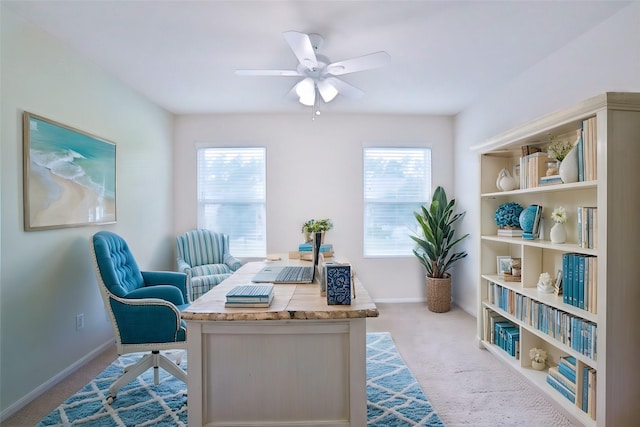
579, 277
535, 232
555, 373
532, 168
510, 232
561, 388
550, 180
580, 147
251, 294
591, 394
567, 367
587, 219
490, 319
589, 149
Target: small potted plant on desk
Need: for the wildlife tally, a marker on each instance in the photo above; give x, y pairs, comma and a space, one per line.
435, 243
313, 226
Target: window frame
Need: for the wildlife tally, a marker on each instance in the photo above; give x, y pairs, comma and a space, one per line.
259, 202
368, 251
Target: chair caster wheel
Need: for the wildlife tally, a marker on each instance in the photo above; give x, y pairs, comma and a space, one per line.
110, 400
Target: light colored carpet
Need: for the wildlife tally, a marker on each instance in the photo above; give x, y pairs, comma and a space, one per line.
467, 386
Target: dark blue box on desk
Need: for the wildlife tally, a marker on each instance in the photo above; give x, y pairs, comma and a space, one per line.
338, 277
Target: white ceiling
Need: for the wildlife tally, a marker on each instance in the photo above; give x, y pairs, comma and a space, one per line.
444, 54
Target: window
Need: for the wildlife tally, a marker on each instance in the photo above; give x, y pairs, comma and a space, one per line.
397, 181
232, 196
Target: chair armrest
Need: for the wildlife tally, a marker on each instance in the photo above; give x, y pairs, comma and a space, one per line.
173, 278
185, 267
233, 262
168, 293
147, 320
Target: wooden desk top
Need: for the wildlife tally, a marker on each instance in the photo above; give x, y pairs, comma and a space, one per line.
291, 301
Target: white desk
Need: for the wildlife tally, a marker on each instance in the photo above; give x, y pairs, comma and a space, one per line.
299, 362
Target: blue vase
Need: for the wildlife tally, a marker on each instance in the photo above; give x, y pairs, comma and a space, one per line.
527, 218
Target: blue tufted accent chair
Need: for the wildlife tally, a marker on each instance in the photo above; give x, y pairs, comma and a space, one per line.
204, 256
144, 307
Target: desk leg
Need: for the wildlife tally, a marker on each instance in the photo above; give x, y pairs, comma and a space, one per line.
358, 372
195, 389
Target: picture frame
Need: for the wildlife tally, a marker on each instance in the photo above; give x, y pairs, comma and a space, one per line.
503, 265
69, 176
557, 286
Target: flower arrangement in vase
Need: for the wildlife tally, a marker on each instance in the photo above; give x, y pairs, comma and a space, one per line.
558, 234
558, 148
564, 152
538, 358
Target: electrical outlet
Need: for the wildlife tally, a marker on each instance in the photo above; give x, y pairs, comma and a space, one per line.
79, 321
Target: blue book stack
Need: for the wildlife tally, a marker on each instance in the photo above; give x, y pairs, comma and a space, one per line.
250, 296
308, 247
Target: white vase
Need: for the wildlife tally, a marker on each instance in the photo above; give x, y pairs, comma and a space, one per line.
558, 233
538, 366
569, 166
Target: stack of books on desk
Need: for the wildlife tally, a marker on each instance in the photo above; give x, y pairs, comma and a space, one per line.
250, 296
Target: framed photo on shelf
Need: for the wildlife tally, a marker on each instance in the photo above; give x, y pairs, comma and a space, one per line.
557, 286
503, 265
69, 176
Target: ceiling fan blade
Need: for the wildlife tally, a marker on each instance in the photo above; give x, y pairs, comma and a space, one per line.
301, 46
267, 73
361, 63
344, 88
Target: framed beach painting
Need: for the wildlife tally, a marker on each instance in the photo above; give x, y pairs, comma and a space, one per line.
69, 176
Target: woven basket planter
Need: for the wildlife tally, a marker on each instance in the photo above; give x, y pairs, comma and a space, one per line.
439, 294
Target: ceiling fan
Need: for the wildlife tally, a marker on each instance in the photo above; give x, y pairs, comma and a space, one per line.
318, 73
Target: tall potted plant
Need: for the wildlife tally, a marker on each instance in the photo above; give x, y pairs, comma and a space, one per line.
435, 242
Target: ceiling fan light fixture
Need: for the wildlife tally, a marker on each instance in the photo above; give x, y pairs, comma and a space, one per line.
319, 81
327, 90
309, 101
305, 88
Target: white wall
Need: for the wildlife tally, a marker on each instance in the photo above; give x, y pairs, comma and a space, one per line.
329, 148
46, 276
606, 59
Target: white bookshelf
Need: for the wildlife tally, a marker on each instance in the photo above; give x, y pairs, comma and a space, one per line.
616, 193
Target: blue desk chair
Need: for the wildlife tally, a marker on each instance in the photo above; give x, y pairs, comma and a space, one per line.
203, 255
144, 308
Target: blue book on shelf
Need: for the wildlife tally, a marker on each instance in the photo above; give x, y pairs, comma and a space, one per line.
581, 271
561, 388
566, 290
567, 368
580, 148
575, 269
553, 372
512, 336
585, 388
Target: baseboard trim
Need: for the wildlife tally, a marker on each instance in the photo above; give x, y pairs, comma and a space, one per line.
44, 387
